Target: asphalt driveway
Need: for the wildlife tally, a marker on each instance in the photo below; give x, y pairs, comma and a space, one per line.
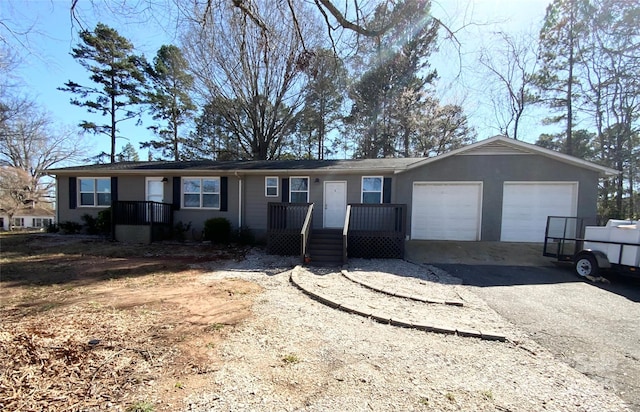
595, 328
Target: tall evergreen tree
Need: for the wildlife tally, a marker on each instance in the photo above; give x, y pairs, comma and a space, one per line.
324, 95
128, 154
398, 64
170, 101
559, 54
118, 74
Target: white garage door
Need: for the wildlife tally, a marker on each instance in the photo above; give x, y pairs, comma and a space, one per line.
446, 211
525, 207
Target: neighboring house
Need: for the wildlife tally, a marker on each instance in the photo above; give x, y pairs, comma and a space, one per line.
497, 189
27, 218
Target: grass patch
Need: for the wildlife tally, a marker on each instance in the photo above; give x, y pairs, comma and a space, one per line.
214, 327
141, 407
290, 359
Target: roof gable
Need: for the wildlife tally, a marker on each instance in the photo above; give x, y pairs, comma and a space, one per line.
501, 145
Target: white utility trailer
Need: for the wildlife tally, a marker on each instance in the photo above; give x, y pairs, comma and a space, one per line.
592, 249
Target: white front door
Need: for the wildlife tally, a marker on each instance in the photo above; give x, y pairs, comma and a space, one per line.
335, 204
154, 193
154, 190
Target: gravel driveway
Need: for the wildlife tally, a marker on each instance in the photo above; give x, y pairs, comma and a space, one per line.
298, 354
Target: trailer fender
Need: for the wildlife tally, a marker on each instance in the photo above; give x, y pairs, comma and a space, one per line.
601, 258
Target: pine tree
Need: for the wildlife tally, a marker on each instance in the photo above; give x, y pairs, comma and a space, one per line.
559, 55
128, 154
119, 80
169, 100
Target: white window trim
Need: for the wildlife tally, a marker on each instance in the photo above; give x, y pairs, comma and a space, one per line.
381, 188
277, 186
299, 191
95, 192
219, 193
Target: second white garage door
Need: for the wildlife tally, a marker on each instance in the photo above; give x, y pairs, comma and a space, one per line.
525, 207
446, 210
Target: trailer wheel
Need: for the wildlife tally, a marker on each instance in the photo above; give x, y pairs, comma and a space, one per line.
586, 265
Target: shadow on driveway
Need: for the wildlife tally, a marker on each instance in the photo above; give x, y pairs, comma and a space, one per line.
498, 264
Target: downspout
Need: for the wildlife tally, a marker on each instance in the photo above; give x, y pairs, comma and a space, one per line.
57, 201
239, 200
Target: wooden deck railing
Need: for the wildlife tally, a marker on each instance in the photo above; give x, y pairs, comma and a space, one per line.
142, 213
305, 233
284, 227
377, 230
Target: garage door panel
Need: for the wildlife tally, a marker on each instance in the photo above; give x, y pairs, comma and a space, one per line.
525, 207
446, 211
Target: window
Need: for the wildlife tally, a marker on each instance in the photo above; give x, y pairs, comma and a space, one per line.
271, 186
201, 192
299, 190
42, 222
372, 190
95, 191
17, 222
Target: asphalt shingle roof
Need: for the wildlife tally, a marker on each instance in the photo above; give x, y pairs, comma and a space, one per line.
244, 165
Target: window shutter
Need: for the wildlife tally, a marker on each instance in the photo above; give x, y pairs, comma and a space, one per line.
176, 193
386, 190
73, 192
285, 190
224, 189
114, 189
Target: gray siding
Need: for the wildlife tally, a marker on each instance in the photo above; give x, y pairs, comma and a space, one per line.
197, 217
493, 171
64, 214
256, 203
132, 188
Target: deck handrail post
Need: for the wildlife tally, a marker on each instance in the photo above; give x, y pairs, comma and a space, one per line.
345, 234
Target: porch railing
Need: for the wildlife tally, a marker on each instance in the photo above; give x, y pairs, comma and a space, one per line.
305, 233
377, 230
284, 227
142, 213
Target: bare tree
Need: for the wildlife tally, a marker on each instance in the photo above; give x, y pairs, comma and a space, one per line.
252, 82
511, 64
29, 141
16, 190
356, 17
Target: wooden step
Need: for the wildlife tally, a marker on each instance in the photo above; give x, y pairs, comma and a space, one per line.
325, 247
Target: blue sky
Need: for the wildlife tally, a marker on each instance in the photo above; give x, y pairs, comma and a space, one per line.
52, 37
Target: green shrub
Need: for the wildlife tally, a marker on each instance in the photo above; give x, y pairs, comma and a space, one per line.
179, 231
95, 225
103, 223
90, 224
53, 228
244, 236
70, 228
217, 230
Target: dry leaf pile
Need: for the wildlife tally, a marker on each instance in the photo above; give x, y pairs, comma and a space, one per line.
86, 361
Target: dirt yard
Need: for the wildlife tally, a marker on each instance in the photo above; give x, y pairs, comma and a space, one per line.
89, 324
